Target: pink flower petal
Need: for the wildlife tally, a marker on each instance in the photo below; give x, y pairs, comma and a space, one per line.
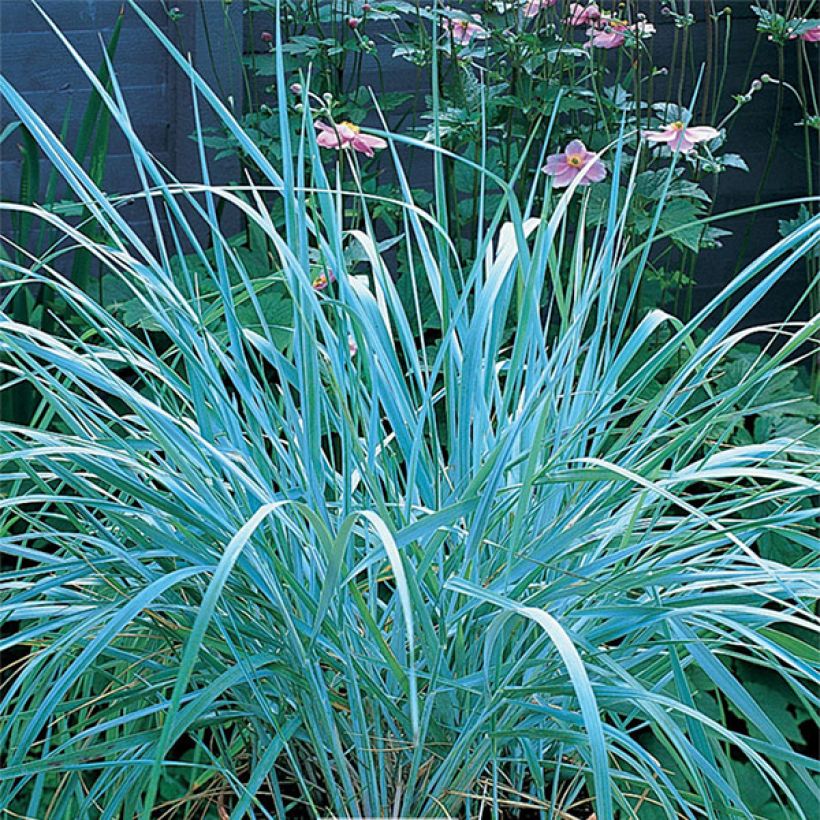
701, 133
576, 147
680, 138
327, 137
681, 142
376, 143
581, 15
463, 31
362, 147
564, 178
607, 39
532, 7
346, 133
667, 135
556, 163
366, 144
595, 172
812, 35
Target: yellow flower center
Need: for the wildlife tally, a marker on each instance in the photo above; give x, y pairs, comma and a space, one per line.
354, 128
575, 160
677, 125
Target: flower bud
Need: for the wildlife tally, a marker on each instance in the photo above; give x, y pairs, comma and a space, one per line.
353, 22
266, 37
296, 88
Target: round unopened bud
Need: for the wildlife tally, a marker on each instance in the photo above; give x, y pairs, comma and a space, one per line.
266, 37
296, 88
765, 78
756, 85
353, 22
366, 7
327, 97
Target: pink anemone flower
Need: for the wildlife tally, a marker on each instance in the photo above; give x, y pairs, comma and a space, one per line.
812, 35
323, 280
532, 7
347, 135
580, 15
575, 161
608, 32
680, 137
463, 31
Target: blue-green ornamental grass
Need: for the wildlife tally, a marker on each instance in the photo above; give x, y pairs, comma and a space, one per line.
337, 566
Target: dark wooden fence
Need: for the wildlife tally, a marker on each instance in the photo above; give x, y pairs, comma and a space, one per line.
32, 58
158, 94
